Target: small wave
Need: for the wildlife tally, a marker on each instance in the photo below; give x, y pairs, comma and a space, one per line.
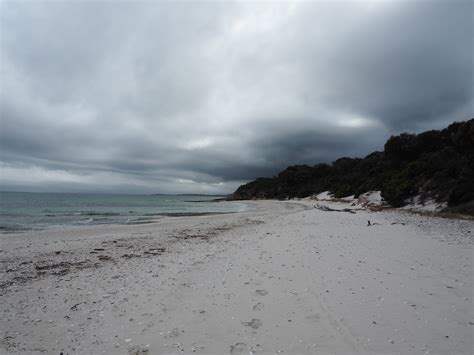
87, 220
191, 214
9, 214
96, 213
4, 228
142, 219
141, 222
205, 201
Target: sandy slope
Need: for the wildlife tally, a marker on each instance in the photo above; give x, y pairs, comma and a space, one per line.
282, 278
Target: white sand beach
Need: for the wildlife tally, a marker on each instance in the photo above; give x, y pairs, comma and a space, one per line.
281, 278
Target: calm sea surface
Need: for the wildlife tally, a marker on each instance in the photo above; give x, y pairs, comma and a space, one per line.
21, 211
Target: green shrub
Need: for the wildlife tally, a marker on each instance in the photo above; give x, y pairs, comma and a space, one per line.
436, 164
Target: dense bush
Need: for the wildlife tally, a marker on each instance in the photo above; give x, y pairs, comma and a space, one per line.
433, 164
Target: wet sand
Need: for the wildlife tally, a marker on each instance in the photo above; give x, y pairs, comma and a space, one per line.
283, 277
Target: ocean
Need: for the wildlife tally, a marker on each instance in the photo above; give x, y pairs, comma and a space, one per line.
21, 211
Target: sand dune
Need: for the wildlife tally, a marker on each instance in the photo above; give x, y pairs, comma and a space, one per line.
284, 277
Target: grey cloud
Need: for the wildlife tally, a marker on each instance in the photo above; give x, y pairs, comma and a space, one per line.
409, 66
200, 97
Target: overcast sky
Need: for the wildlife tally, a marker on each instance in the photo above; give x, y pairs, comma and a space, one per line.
178, 97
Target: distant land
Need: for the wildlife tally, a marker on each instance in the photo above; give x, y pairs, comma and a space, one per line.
436, 165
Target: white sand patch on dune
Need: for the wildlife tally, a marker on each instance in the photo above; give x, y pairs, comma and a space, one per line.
324, 196
371, 199
348, 199
428, 205
366, 200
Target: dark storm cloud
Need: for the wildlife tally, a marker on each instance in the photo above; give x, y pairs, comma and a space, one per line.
199, 97
412, 67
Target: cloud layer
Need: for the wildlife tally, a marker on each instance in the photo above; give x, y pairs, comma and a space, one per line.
200, 97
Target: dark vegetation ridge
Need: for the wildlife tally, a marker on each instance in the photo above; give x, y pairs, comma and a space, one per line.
433, 164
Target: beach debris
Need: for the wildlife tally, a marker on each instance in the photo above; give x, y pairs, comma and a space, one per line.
178, 346
197, 346
52, 266
254, 323
137, 350
258, 307
161, 249
128, 256
173, 333
240, 348
155, 251
104, 257
261, 292
372, 224
74, 308
329, 209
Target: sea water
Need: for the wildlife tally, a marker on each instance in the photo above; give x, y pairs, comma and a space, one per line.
20, 211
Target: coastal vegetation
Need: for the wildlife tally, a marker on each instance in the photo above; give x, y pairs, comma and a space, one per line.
437, 164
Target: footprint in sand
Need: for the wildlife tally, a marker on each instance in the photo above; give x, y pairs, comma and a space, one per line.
313, 317
254, 323
261, 292
240, 348
258, 307
136, 350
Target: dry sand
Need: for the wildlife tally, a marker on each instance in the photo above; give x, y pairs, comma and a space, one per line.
283, 277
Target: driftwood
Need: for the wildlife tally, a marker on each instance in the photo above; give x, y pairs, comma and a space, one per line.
328, 209
372, 224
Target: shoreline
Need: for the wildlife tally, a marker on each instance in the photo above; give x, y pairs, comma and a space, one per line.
283, 277
145, 219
